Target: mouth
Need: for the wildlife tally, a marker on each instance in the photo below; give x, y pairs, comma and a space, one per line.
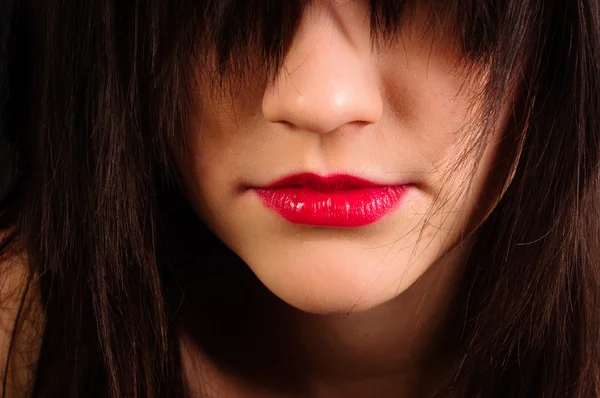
339, 201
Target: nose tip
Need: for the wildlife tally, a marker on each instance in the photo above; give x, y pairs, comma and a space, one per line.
321, 100
326, 80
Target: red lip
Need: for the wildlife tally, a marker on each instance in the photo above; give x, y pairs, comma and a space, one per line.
333, 201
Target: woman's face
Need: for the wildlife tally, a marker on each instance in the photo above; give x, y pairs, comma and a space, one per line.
398, 117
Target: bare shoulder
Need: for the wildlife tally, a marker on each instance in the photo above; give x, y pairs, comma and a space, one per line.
21, 323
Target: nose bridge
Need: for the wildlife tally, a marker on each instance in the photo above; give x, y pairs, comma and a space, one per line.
327, 79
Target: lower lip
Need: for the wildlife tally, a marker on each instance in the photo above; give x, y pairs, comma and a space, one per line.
344, 208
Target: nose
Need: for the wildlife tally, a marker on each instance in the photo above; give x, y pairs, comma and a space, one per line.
327, 79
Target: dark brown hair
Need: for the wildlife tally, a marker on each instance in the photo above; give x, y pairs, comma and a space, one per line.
98, 91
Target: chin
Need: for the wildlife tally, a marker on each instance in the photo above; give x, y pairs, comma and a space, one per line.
328, 303
338, 288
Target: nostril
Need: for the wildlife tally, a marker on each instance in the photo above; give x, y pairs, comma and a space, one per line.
324, 109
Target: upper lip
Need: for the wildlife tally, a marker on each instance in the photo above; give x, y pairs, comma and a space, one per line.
335, 182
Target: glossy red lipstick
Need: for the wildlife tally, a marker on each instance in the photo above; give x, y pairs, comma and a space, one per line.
334, 201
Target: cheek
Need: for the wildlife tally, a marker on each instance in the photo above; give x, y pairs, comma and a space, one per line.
208, 159
433, 107
213, 141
